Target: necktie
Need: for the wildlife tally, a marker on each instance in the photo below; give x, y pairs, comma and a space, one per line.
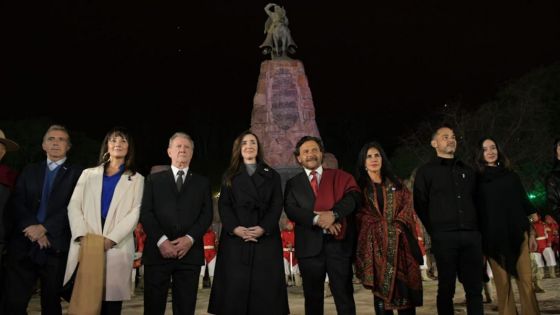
180, 179
314, 183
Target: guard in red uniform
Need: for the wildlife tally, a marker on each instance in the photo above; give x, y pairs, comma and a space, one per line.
552, 233
290, 262
420, 236
553, 236
210, 253
544, 248
137, 268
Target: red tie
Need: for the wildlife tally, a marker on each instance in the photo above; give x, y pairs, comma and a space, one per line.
314, 183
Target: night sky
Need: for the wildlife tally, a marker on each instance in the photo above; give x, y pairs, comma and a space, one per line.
386, 65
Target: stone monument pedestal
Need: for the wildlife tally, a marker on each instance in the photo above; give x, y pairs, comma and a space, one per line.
283, 112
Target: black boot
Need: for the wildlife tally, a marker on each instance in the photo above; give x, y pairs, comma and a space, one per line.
379, 306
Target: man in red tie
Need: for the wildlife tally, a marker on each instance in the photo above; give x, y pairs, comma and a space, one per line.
321, 202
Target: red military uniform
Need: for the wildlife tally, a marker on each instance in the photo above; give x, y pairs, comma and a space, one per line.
209, 240
288, 241
140, 237
541, 235
553, 236
420, 236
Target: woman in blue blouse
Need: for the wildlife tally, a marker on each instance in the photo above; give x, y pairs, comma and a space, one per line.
106, 201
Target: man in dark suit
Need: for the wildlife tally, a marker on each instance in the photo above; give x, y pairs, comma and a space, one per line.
176, 212
321, 202
38, 246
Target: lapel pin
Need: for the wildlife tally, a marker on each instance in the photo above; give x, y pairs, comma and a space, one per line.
266, 169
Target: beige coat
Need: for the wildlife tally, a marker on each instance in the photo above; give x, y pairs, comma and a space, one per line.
84, 214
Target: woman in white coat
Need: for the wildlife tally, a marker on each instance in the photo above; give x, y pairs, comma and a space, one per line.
106, 201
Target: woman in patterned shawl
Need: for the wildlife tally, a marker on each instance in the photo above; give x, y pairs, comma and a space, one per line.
387, 256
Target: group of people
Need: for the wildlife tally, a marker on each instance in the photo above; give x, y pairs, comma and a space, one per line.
66, 219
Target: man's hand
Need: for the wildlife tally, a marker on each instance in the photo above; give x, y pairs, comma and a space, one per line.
182, 245
43, 242
167, 250
326, 219
334, 229
108, 244
255, 231
34, 232
244, 233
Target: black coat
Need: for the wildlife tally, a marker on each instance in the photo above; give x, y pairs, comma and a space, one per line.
165, 211
4, 195
504, 209
553, 194
249, 277
444, 196
25, 204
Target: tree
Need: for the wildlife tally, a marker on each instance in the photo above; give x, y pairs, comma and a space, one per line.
523, 119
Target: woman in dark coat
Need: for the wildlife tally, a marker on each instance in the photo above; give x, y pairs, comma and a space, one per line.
387, 256
249, 277
553, 184
506, 214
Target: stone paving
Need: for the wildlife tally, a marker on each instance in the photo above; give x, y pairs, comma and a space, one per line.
549, 301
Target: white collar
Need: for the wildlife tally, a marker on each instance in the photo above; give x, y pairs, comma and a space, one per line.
319, 171
176, 169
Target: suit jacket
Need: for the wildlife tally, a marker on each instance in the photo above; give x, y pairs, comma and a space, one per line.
84, 212
4, 195
166, 211
299, 202
26, 200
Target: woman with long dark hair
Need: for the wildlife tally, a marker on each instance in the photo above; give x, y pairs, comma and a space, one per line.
388, 256
106, 202
249, 275
506, 215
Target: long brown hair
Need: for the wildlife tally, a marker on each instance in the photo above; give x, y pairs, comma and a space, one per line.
236, 158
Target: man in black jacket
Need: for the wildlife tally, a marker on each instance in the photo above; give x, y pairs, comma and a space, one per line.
176, 212
38, 246
444, 201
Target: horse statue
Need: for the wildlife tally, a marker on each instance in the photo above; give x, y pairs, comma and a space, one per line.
278, 42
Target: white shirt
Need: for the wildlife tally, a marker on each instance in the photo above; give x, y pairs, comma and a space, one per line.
54, 164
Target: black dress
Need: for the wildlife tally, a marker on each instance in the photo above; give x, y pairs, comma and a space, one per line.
504, 208
249, 277
553, 193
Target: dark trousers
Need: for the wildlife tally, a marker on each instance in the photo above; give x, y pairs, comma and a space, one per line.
183, 279
111, 307
458, 254
339, 268
20, 280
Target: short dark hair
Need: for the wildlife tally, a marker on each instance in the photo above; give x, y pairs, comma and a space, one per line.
435, 131
304, 139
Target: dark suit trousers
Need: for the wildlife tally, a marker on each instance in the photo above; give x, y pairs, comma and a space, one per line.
458, 254
339, 269
183, 278
21, 278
